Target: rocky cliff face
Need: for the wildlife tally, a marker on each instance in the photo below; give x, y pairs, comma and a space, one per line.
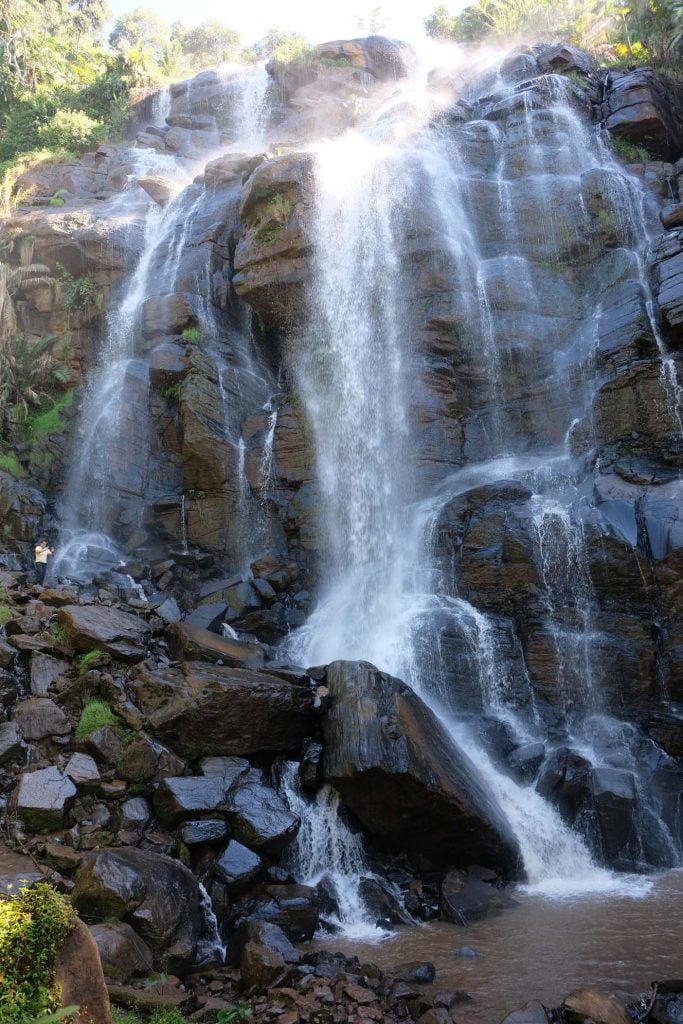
538, 288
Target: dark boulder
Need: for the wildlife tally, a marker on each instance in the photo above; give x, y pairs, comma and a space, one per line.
180, 799
383, 905
221, 710
614, 800
293, 908
159, 897
259, 817
109, 629
237, 866
645, 108
468, 896
399, 771
123, 953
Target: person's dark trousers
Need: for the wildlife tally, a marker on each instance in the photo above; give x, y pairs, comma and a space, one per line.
41, 568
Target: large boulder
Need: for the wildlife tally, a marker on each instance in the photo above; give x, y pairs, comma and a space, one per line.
78, 973
384, 59
159, 897
39, 717
95, 626
259, 817
666, 260
400, 772
43, 798
645, 108
220, 710
123, 953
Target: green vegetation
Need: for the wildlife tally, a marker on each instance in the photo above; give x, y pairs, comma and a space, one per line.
192, 334
644, 31
629, 152
49, 421
173, 392
34, 924
57, 635
77, 292
10, 464
95, 715
239, 1014
86, 661
119, 1016
5, 614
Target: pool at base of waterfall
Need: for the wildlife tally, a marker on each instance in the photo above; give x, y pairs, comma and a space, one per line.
543, 948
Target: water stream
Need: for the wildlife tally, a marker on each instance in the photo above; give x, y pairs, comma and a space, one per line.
383, 598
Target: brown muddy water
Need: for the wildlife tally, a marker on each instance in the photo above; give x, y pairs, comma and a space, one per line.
543, 948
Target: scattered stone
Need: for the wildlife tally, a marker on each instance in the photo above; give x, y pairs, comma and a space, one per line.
39, 718
209, 830
104, 744
109, 629
237, 866
43, 798
123, 953
44, 671
11, 745
83, 771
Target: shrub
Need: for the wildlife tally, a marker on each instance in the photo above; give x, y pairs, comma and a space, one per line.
43, 424
86, 661
629, 152
5, 614
191, 334
33, 926
95, 715
68, 129
10, 464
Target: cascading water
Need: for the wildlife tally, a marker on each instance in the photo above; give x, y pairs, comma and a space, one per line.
110, 481
327, 851
384, 598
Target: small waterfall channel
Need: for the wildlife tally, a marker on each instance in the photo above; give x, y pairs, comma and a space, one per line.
385, 597
110, 481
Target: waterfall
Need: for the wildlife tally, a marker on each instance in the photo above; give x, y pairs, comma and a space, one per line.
383, 598
326, 851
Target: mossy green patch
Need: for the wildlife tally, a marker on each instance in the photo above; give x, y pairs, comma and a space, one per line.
5, 614
95, 715
10, 464
90, 658
48, 421
34, 924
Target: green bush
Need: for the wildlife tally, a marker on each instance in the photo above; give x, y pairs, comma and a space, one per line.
86, 661
95, 715
70, 129
39, 424
5, 614
629, 152
10, 464
191, 334
34, 924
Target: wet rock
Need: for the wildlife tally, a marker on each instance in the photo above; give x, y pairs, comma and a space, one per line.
123, 953
420, 972
62, 857
311, 765
83, 771
39, 718
43, 798
666, 260
525, 761
265, 933
467, 897
192, 641
401, 774
531, 1013
294, 908
116, 632
208, 616
145, 760
208, 830
103, 744
135, 814
180, 799
614, 796
44, 671
565, 779
11, 745
378, 56
382, 903
644, 107
237, 866
220, 710
563, 59
157, 188
260, 965
159, 897
437, 1015
259, 817
79, 977
601, 1004
164, 315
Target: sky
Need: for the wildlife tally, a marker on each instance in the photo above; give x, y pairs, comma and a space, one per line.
317, 20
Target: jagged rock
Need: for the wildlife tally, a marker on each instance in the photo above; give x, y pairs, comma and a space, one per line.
159, 897
467, 897
265, 933
194, 642
237, 866
145, 760
401, 774
11, 744
260, 965
293, 908
123, 953
666, 260
62, 857
103, 744
21, 509
614, 799
382, 903
531, 1013
208, 830
135, 814
113, 631
79, 977
164, 315
421, 972
221, 710
157, 188
177, 800
83, 771
525, 761
644, 107
43, 798
259, 817
44, 671
378, 56
38, 718
601, 1004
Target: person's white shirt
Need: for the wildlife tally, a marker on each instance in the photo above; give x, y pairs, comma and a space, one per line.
42, 554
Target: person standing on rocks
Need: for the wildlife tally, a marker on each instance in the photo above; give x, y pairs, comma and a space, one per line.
43, 552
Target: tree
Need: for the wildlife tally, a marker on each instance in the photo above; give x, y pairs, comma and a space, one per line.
373, 24
141, 29
207, 44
